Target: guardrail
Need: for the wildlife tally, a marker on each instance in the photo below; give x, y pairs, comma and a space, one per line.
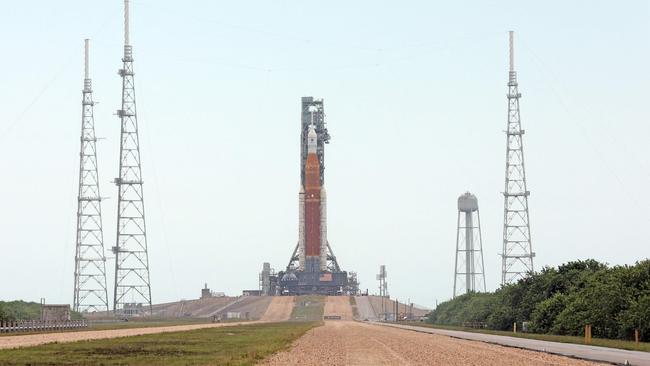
41, 326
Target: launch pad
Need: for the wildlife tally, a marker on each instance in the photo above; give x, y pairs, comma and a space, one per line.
315, 282
313, 267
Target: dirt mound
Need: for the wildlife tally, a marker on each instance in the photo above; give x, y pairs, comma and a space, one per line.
248, 307
364, 309
378, 303
201, 308
338, 306
279, 309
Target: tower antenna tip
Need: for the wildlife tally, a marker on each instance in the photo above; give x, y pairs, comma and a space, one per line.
511, 35
126, 23
86, 56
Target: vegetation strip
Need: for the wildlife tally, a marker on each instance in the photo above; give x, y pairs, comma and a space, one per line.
613, 301
236, 345
599, 342
308, 308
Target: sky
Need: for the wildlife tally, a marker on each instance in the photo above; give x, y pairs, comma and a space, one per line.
415, 101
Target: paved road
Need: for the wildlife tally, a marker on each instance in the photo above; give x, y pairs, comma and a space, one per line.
348, 343
592, 353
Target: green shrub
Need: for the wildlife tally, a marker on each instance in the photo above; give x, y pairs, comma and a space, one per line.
614, 300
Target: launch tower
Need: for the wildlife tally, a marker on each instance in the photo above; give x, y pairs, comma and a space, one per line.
313, 267
517, 256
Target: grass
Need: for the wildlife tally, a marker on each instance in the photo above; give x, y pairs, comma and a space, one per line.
353, 303
611, 343
308, 308
236, 345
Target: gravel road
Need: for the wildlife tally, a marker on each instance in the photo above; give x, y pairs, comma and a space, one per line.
354, 343
37, 339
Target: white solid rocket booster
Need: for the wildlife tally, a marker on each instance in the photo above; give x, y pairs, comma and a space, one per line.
323, 229
301, 228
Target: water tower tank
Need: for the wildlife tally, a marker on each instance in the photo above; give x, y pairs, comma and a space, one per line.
467, 203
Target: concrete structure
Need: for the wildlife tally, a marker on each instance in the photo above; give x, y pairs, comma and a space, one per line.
132, 284
205, 292
469, 275
90, 291
517, 255
55, 312
266, 277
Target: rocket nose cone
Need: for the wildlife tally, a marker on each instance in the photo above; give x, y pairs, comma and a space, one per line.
312, 138
302, 189
323, 192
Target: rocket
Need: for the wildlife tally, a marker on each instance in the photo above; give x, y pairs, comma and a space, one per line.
312, 201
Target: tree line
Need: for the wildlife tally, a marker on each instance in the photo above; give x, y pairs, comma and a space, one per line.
24, 310
613, 300
19, 310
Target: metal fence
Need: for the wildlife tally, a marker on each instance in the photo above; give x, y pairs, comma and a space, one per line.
41, 326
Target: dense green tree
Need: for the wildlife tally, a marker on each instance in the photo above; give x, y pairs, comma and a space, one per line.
562, 300
545, 313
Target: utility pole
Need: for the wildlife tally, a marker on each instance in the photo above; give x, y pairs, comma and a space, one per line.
383, 288
132, 286
517, 256
90, 292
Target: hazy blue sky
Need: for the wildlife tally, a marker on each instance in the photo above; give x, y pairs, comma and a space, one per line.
415, 101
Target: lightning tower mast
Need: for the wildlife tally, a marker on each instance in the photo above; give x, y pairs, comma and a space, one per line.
132, 295
90, 292
517, 256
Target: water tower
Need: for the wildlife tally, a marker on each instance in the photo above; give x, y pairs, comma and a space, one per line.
468, 273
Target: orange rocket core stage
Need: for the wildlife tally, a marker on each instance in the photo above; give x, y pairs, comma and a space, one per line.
312, 206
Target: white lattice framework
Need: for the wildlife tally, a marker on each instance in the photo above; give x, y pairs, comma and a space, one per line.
517, 255
90, 292
132, 295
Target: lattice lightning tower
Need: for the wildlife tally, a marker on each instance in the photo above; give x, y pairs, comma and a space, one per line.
90, 292
132, 286
517, 256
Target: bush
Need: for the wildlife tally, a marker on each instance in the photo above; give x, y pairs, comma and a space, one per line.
614, 300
